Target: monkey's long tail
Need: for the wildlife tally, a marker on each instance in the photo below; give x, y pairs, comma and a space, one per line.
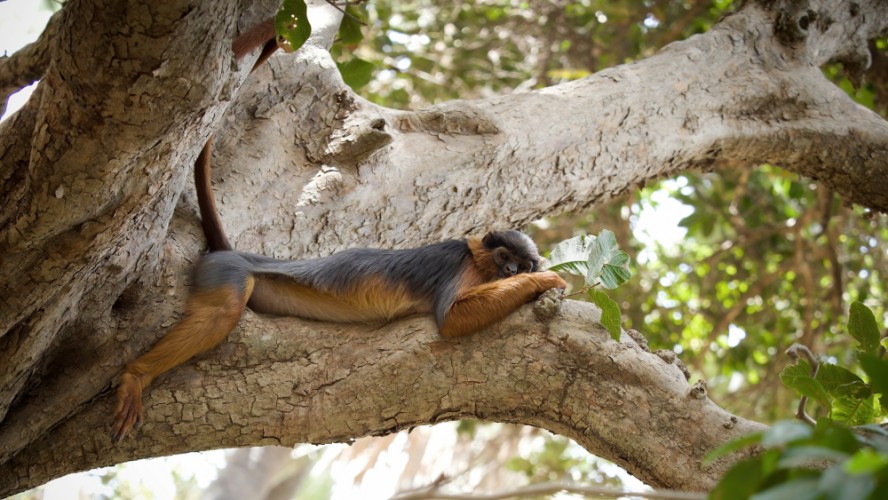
209, 216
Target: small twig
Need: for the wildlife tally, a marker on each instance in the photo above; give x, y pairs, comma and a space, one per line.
431, 491
585, 289
345, 13
793, 352
28, 64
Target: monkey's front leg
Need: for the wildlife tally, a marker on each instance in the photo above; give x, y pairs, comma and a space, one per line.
490, 302
209, 315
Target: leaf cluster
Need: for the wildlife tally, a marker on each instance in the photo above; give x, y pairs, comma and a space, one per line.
599, 261
844, 455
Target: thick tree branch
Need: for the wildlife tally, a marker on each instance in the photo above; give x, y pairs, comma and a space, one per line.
306, 382
95, 239
27, 65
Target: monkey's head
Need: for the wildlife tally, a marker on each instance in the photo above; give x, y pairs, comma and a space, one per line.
513, 252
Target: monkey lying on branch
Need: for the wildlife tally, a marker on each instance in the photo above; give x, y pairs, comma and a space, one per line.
465, 284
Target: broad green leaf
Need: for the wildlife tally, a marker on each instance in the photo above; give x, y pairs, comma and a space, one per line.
291, 24
741, 481
571, 256
833, 377
862, 326
866, 461
614, 275
604, 252
732, 446
835, 436
801, 456
851, 410
796, 489
837, 484
797, 377
356, 72
877, 370
610, 312
785, 431
350, 28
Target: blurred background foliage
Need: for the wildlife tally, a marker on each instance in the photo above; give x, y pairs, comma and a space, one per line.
730, 266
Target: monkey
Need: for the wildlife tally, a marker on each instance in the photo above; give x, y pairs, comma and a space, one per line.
261, 34
465, 284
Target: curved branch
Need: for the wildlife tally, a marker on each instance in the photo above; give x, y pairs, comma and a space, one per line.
28, 64
309, 382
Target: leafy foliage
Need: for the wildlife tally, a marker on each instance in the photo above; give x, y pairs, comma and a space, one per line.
599, 261
829, 460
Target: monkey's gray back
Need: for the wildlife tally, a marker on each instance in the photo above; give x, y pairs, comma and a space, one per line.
430, 273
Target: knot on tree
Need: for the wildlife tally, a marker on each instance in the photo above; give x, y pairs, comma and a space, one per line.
794, 22
461, 119
353, 144
699, 390
548, 305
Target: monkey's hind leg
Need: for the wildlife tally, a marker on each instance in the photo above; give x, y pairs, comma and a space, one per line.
210, 314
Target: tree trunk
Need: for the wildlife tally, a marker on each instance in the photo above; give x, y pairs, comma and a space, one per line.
99, 229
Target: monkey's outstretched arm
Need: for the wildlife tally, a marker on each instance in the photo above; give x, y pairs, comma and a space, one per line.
209, 315
485, 304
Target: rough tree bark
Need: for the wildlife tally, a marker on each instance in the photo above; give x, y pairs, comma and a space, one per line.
98, 227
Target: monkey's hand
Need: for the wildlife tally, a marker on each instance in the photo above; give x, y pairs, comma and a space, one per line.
128, 413
546, 280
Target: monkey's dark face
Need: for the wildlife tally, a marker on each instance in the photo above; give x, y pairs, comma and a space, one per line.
513, 252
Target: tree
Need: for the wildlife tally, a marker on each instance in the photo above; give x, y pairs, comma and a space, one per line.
99, 227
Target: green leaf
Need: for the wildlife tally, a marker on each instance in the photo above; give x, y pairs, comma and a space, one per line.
732, 446
835, 436
866, 461
604, 252
291, 24
614, 275
571, 256
877, 370
611, 318
741, 481
785, 431
797, 489
852, 410
350, 28
833, 377
797, 377
356, 72
862, 326
802, 456
836, 483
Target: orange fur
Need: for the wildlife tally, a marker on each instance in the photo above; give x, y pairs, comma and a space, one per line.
209, 316
254, 37
373, 300
483, 260
481, 302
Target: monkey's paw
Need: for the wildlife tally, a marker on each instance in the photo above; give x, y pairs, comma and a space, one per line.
547, 280
128, 413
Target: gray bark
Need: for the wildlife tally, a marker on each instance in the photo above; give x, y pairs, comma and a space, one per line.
99, 228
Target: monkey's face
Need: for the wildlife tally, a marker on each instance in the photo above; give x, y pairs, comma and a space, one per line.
509, 264
513, 252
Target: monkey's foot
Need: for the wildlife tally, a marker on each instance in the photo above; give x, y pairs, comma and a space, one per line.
128, 413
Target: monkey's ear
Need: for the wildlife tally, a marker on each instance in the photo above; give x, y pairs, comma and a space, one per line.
492, 240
